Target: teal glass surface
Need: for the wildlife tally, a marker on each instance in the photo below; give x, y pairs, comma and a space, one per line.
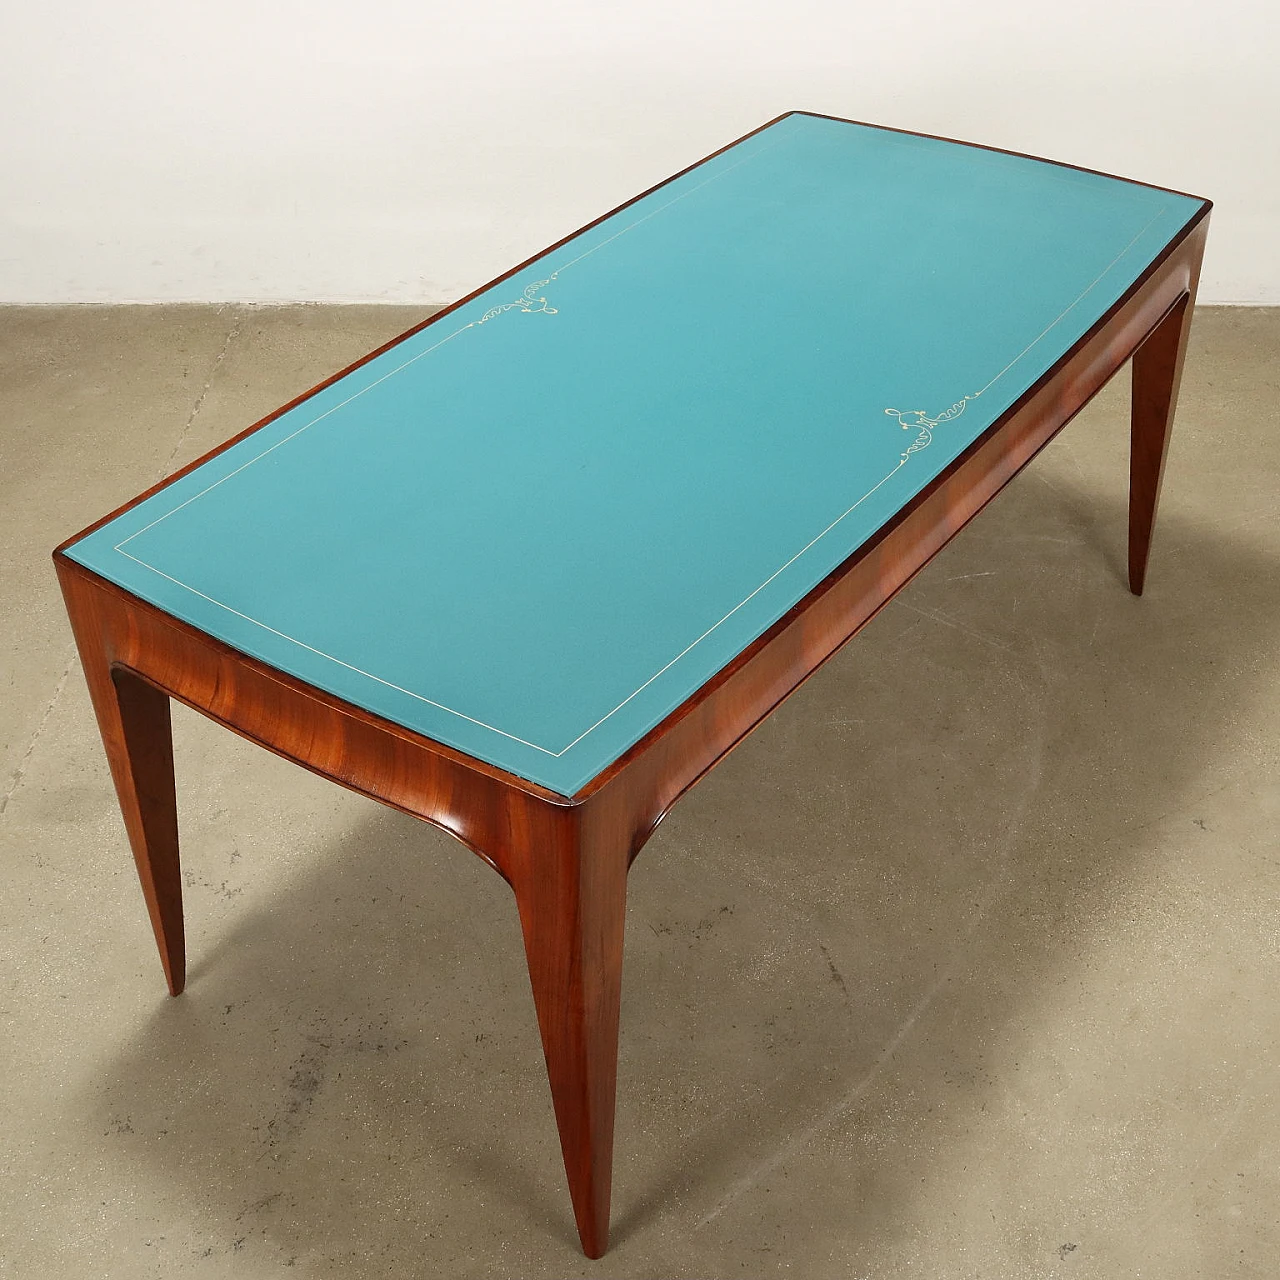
541, 523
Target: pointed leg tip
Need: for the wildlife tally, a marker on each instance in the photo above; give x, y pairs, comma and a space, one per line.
594, 1238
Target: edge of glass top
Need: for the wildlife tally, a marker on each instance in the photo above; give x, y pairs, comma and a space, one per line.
569, 781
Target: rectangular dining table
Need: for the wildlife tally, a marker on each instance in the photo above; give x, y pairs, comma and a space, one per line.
530, 570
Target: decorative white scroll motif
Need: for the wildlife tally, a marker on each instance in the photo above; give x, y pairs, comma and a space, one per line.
923, 425
529, 300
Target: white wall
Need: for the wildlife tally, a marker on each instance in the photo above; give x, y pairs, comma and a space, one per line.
407, 150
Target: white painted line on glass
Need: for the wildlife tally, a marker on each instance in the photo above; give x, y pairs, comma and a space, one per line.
320, 653
688, 648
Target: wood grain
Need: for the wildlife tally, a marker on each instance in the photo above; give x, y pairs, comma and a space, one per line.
1157, 374
566, 857
133, 719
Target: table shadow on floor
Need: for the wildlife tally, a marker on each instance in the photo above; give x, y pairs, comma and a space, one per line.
355, 1068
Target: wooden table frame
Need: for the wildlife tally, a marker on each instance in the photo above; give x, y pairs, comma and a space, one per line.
566, 858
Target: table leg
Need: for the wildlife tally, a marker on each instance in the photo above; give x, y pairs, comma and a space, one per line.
133, 718
572, 903
1157, 371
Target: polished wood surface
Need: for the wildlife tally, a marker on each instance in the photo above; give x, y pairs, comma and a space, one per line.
566, 858
133, 718
1157, 373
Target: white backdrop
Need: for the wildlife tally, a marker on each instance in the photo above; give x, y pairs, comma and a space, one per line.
408, 150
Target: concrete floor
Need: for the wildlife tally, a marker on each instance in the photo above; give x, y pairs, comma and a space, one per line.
963, 966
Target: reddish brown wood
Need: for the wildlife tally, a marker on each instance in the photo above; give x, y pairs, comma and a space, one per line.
566, 857
671, 758
133, 718
1157, 373
437, 316
565, 860
434, 318
570, 879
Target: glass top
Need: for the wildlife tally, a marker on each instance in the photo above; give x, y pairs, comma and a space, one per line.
541, 523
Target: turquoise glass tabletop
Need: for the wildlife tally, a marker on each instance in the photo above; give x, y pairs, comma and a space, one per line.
540, 523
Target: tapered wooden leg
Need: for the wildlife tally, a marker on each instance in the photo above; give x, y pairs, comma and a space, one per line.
572, 905
1157, 371
133, 718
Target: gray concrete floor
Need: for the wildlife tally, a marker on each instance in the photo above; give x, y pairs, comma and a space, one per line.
963, 966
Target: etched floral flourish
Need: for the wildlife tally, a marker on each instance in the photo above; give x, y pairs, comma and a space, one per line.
529, 301
923, 425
